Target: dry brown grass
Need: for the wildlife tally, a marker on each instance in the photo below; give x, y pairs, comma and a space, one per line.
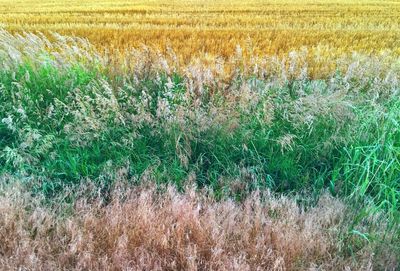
141, 229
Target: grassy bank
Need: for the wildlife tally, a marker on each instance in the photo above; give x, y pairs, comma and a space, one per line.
71, 117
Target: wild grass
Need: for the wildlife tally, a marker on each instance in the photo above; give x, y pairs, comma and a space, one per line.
69, 115
145, 228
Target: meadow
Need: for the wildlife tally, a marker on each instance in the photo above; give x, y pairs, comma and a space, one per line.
199, 135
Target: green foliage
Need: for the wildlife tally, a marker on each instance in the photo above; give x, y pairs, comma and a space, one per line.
66, 124
370, 167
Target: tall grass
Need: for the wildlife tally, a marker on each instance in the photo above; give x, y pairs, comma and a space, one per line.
143, 228
69, 115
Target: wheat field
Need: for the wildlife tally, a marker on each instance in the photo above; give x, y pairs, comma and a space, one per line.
200, 135
329, 29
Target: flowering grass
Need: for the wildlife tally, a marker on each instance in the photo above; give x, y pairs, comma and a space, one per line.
73, 118
145, 228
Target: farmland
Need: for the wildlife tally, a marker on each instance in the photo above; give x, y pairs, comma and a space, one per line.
211, 135
329, 29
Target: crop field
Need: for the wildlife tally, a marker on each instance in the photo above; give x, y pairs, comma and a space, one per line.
329, 29
200, 135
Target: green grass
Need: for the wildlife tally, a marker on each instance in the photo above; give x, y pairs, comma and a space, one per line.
62, 125
363, 161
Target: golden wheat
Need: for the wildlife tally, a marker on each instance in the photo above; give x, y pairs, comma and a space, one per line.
329, 29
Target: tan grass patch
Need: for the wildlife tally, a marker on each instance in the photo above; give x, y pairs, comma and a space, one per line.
142, 229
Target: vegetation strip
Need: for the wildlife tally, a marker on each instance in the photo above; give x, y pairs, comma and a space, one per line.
72, 117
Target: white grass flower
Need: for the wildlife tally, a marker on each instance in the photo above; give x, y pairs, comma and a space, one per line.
170, 85
9, 123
